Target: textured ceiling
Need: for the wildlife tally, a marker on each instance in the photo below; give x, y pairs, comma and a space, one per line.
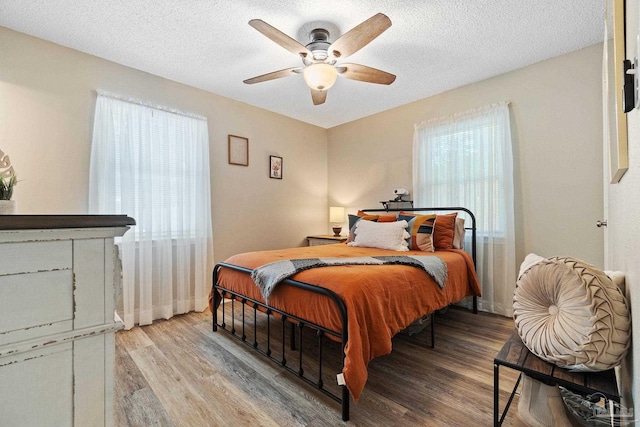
432, 46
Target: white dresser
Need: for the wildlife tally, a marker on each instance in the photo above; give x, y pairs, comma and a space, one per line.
57, 285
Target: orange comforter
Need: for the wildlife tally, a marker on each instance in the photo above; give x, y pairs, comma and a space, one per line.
381, 300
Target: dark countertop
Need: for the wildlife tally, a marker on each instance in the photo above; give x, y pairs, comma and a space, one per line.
36, 222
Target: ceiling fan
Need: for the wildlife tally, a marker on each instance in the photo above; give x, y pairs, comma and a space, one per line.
320, 56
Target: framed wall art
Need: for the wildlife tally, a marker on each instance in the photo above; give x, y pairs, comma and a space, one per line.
275, 167
615, 119
238, 150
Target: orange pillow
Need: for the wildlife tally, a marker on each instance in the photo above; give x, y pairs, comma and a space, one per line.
378, 218
368, 217
444, 230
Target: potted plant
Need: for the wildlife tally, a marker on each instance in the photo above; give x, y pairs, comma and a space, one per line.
8, 180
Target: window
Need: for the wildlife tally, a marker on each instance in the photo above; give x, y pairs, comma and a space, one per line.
465, 160
153, 165
462, 166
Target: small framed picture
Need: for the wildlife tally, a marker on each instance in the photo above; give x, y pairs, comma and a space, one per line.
238, 150
275, 167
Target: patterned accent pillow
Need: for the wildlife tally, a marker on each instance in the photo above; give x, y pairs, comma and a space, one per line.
420, 229
443, 229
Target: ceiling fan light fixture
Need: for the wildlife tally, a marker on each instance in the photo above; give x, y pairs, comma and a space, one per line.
320, 56
320, 76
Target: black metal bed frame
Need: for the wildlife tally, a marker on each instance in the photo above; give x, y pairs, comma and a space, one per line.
302, 323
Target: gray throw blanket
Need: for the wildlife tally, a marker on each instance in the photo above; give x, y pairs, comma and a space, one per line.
269, 275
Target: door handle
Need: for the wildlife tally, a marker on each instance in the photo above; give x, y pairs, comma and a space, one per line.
602, 223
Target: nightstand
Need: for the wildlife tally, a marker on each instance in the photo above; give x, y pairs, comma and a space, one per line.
325, 239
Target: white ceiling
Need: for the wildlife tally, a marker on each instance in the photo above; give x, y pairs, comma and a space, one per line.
432, 46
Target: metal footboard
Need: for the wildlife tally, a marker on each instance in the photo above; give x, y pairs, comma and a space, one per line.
284, 318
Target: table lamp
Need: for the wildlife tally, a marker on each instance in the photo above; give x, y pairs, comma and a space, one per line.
336, 217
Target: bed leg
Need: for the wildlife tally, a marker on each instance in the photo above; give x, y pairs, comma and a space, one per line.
475, 304
345, 403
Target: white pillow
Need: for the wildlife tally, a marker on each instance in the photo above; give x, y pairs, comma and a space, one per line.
382, 235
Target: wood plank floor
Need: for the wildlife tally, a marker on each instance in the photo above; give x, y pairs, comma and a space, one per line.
179, 372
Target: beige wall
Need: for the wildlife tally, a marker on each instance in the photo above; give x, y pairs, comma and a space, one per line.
47, 101
556, 110
623, 220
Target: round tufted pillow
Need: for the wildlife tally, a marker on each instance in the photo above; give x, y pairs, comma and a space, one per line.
570, 313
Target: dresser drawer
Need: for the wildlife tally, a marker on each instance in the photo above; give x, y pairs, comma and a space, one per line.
29, 257
35, 304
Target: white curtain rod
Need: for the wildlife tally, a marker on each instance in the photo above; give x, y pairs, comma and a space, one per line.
460, 115
148, 104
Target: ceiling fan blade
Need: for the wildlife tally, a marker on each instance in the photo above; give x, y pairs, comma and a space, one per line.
273, 75
318, 96
365, 74
359, 36
281, 38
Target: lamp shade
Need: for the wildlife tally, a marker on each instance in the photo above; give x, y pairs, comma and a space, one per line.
320, 76
336, 214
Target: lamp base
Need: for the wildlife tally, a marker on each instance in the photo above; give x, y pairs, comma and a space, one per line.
337, 231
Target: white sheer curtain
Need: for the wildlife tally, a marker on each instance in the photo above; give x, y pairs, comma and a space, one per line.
466, 160
153, 165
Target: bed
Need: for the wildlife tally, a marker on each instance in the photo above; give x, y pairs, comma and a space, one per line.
360, 306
